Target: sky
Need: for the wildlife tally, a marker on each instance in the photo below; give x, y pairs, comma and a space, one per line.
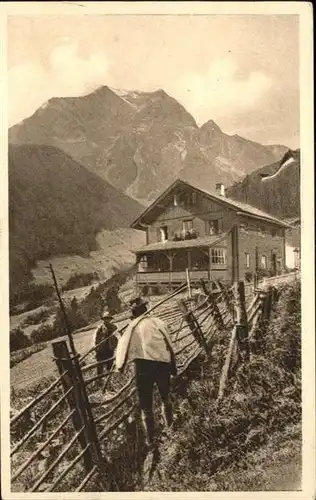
242, 71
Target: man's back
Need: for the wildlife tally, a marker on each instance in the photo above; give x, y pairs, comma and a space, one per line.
148, 340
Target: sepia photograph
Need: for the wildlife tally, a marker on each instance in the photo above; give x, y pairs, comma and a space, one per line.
157, 250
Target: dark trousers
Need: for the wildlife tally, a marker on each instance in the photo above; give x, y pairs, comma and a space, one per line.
107, 364
149, 373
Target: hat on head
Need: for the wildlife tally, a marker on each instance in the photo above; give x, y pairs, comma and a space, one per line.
138, 302
106, 315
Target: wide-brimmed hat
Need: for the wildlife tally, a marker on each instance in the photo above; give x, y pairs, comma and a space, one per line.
138, 302
106, 315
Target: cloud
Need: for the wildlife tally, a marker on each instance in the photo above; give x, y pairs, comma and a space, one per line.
68, 75
27, 91
219, 91
74, 75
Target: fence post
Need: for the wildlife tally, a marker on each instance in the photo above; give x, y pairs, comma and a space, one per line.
194, 326
228, 299
187, 273
254, 281
91, 428
65, 364
214, 307
227, 364
267, 308
242, 321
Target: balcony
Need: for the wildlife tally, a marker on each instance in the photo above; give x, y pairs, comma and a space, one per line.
190, 234
178, 277
170, 277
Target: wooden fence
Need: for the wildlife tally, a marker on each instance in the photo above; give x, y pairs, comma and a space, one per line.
62, 438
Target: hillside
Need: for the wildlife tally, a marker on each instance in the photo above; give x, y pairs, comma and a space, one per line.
141, 141
56, 206
277, 194
114, 250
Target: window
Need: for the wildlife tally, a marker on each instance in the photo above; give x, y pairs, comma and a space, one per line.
247, 260
143, 264
218, 255
187, 225
176, 200
212, 227
164, 233
264, 261
193, 198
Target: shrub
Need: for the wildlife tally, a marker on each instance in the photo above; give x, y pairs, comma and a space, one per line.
37, 317
160, 289
282, 340
145, 290
92, 306
249, 276
18, 356
263, 273
43, 334
113, 301
32, 293
18, 339
75, 318
79, 280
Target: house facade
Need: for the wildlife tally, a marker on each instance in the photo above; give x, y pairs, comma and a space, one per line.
214, 237
293, 244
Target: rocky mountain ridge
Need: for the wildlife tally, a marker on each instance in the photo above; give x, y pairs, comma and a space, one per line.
141, 141
274, 188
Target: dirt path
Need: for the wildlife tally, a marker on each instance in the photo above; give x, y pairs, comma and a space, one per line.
41, 365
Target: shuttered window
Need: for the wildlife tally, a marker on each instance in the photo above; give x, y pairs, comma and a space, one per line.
264, 262
247, 255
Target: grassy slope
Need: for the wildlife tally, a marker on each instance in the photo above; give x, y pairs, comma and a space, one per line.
115, 249
252, 440
276, 466
56, 206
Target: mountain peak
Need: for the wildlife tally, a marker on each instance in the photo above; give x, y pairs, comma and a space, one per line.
139, 140
211, 125
161, 92
103, 89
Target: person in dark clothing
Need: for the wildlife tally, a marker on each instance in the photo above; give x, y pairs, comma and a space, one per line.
146, 342
105, 350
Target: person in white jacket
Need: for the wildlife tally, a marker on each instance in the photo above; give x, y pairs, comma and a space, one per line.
146, 342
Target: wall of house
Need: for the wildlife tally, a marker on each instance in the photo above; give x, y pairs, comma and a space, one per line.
292, 259
222, 272
251, 233
202, 211
266, 237
292, 247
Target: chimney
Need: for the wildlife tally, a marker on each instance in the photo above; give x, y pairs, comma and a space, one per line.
220, 189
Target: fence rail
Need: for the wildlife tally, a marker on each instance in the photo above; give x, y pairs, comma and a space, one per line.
85, 418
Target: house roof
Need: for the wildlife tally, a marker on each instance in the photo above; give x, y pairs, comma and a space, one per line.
207, 241
242, 208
